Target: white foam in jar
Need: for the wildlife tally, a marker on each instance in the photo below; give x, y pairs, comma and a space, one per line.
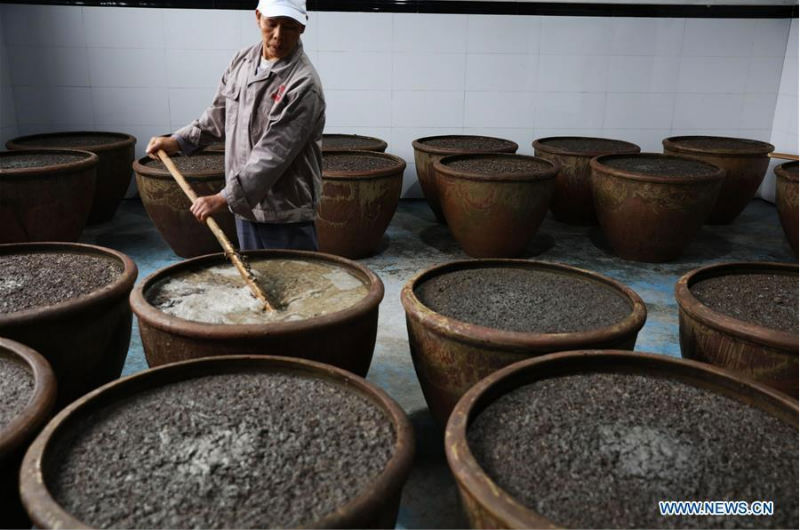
297, 289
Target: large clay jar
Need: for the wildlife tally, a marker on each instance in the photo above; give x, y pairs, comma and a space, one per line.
22, 425
115, 152
343, 338
754, 350
494, 203
168, 207
372, 505
351, 142
650, 206
487, 504
744, 161
572, 201
85, 339
451, 355
786, 200
360, 192
45, 195
432, 148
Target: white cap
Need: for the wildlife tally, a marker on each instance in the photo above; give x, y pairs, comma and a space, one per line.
295, 9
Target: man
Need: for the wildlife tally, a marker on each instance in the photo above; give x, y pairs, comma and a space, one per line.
270, 110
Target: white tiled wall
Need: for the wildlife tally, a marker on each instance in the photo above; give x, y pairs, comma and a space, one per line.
403, 76
784, 124
8, 115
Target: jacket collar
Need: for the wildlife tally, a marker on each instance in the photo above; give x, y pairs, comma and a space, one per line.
280, 66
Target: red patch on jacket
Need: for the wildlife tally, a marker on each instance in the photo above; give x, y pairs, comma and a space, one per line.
278, 95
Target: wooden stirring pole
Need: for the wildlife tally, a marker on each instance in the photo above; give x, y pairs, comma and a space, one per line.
783, 156
230, 252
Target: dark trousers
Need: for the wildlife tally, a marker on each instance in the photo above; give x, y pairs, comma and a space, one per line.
296, 236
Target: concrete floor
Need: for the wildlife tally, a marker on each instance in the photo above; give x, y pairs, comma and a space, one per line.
414, 242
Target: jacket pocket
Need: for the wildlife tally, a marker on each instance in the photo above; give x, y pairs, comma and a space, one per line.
231, 92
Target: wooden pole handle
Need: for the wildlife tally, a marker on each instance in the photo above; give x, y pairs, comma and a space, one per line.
783, 156
230, 252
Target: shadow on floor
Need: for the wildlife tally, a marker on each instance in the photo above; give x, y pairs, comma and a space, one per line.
438, 236
704, 246
540, 244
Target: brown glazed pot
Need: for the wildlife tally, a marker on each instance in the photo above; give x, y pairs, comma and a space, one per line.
572, 201
375, 508
168, 206
345, 338
763, 354
651, 218
85, 339
450, 356
744, 161
425, 155
16, 435
332, 143
489, 506
46, 203
786, 200
113, 165
494, 215
356, 207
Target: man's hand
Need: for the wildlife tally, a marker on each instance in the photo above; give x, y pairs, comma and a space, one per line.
168, 144
208, 205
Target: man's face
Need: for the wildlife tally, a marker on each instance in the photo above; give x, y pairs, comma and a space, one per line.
279, 35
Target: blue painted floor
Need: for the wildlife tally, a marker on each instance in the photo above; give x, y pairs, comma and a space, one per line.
415, 242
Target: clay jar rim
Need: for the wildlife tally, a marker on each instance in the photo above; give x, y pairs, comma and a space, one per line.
190, 328
27, 422
540, 144
120, 286
729, 325
141, 167
373, 144
390, 171
782, 171
598, 164
486, 337
420, 145
758, 149
502, 506
124, 140
88, 161
500, 503
47, 513
442, 167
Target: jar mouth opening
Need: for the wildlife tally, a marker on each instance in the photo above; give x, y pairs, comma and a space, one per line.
657, 167
584, 146
464, 144
482, 335
389, 164
154, 316
76, 159
720, 145
540, 168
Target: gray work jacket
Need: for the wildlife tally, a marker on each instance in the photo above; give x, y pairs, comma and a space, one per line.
272, 125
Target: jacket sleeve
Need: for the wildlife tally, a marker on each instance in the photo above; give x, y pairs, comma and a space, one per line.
285, 135
209, 127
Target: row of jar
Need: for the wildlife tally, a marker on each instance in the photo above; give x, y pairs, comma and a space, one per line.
649, 205
221, 433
